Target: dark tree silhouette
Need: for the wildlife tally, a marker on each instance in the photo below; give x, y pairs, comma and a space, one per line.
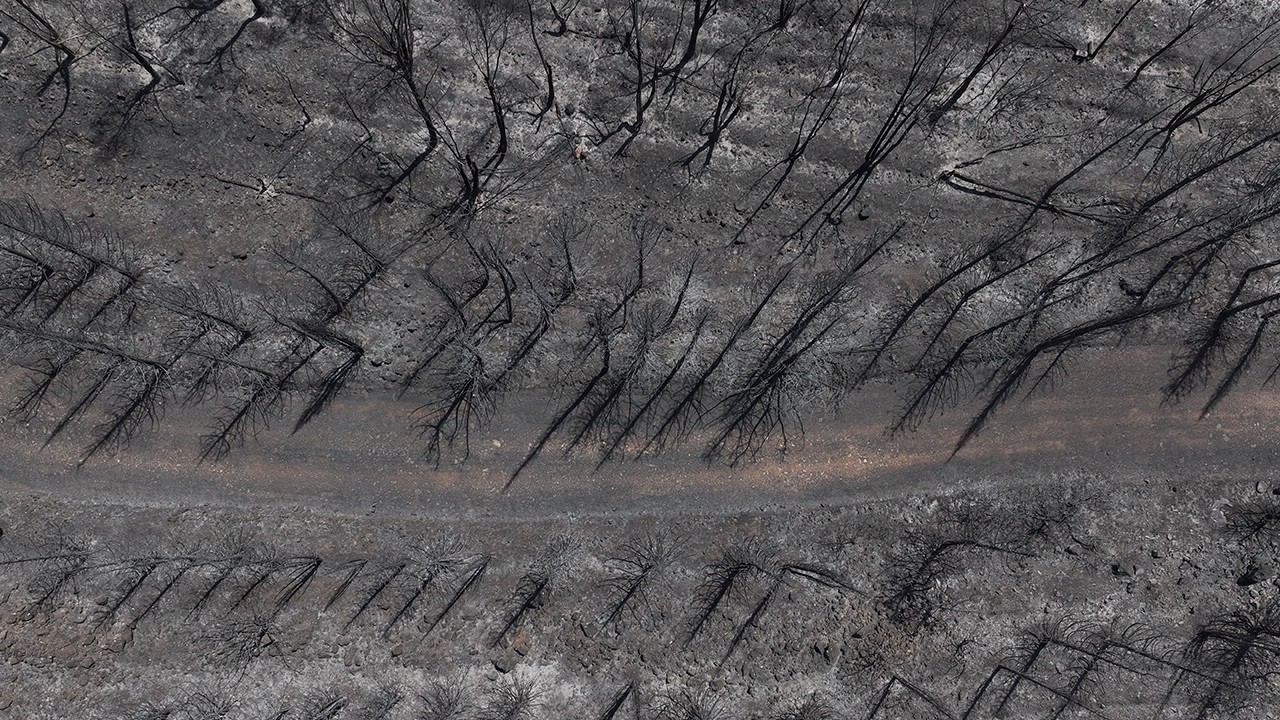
379, 35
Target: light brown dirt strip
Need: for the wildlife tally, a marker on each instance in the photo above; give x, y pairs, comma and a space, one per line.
362, 456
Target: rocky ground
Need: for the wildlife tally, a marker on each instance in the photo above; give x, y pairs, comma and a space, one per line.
665, 360
1111, 581
1128, 594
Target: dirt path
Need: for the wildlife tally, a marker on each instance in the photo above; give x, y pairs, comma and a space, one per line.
361, 458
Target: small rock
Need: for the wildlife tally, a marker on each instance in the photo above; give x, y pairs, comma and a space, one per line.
116, 641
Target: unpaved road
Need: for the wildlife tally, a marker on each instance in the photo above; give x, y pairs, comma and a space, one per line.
362, 458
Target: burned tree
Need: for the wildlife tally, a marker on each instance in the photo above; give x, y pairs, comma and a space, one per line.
907, 109
127, 44
471, 578
1239, 650
238, 643
482, 343
433, 564
692, 706
729, 93
1254, 520
736, 566
445, 700
814, 114
515, 698
1018, 19
378, 34
918, 567
656, 55
778, 580
758, 403
1201, 17
487, 32
680, 416
557, 562
640, 567
39, 26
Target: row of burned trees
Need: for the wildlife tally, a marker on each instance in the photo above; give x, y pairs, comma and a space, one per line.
473, 88
246, 595
1100, 658
102, 343
1152, 212
742, 598
656, 353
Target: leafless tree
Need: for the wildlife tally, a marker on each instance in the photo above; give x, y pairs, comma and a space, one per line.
819, 107
812, 707
445, 700
639, 567
1018, 19
1201, 16
380, 579
238, 642
379, 35
434, 563
1254, 520
324, 705
729, 91
126, 43
736, 566
777, 580
382, 705
619, 701
680, 415
692, 706
200, 705
932, 706
514, 698
908, 108
471, 578
758, 404
34, 22
1239, 650
258, 12
556, 562
655, 53
925, 557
